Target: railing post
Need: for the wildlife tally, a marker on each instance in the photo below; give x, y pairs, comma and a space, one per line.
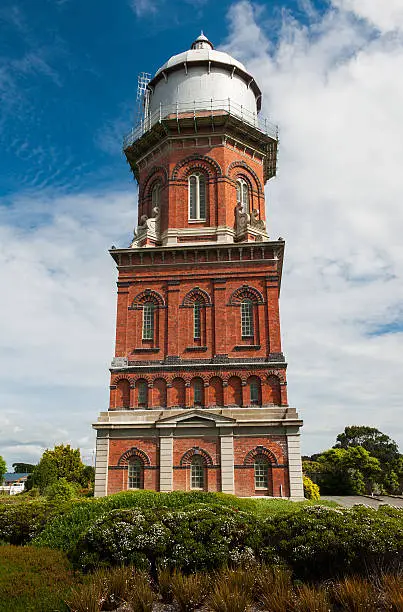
160, 112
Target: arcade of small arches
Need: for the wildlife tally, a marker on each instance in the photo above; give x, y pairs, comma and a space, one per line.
198, 392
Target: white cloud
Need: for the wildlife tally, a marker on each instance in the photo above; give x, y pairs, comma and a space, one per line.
333, 86
145, 7
58, 310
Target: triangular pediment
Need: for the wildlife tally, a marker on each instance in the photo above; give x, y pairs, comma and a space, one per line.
196, 417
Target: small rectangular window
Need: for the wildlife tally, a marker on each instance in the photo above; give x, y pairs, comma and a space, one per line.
196, 321
261, 475
134, 475
148, 322
192, 197
197, 474
247, 319
254, 393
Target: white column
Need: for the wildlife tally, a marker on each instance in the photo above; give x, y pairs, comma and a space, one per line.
101, 467
227, 464
166, 463
295, 466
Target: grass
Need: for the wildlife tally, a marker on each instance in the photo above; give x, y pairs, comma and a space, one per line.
33, 579
270, 507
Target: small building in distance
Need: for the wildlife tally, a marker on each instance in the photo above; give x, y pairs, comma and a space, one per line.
13, 483
198, 388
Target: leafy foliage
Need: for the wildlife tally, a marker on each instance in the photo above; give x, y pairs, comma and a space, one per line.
319, 542
61, 462
350, 471
23, 468
197, 538
3, 469
21, 522
61, 490
311, 490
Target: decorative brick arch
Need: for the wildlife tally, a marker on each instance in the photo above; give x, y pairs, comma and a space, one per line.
194, 295
146, 377
155, 174
246, 292
196, 450
257, 451
203, 163
121, 377
148, 295
277, 374
248, 170
134, 453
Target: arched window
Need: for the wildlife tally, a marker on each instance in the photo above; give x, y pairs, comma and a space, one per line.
142, 391
242, 194
197, 472
155, 195
261, 467
197, 197
148, 321
135, 478
197, 321
247, 318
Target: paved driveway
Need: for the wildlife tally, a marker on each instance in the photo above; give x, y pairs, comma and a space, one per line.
348, 501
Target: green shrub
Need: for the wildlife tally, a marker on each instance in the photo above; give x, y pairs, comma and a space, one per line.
61, 490
193, 539
64, 531
21, 522
320, 542
311, 490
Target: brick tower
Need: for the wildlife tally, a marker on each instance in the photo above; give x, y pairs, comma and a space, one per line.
198, 395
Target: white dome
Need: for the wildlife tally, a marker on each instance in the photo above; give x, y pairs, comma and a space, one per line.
203, 78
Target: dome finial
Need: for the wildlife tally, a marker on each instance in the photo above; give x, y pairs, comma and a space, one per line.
202, 42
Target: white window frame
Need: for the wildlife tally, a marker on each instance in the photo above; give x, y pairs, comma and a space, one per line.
148, 321
247, 330
134, 474
197, 473
199, 205
261, 472
242, 194
197, 320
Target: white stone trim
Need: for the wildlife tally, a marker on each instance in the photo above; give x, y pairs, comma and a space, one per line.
101, 467
295, 466
227, 464
166, 463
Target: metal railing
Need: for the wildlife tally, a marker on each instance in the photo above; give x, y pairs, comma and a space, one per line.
200, 108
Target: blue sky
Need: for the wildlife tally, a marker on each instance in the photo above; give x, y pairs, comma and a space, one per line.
68, 79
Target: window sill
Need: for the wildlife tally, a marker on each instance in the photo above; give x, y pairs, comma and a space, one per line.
200, 349
247, 347
196, 220
146, 349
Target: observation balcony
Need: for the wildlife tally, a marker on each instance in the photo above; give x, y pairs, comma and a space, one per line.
201, 109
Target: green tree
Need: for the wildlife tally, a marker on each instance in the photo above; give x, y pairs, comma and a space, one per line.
61, 462
3, 469
23, 468
380, 446
350, 471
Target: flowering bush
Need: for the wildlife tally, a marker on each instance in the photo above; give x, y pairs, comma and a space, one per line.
319, 542
197, 538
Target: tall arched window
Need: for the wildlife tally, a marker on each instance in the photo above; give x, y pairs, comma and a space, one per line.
197, 197
242, 194
247, 318
197, 320
197, 472
135, 478
148, 321
261, 467
254, 390
155, 195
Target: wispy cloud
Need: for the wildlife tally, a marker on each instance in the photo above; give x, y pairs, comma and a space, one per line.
331, 85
